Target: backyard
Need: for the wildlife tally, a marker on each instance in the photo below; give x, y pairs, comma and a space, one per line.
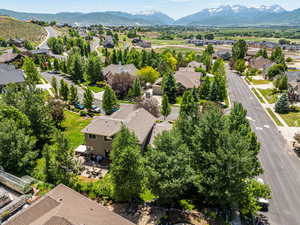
73, 124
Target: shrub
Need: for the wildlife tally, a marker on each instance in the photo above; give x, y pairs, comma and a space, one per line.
82, 113
186, 204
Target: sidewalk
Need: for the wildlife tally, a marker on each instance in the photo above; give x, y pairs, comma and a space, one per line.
266, 105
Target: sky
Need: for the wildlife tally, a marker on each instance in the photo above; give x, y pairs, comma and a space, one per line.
173, 8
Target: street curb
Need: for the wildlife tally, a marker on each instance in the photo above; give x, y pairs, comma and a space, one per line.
263, 105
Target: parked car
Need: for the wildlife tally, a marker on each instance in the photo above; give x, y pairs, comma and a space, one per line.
96, 109
264, 203
79, 106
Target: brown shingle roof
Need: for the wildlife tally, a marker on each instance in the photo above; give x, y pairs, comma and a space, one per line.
139, 121
56, 220
119, 69
69, 208
188, 79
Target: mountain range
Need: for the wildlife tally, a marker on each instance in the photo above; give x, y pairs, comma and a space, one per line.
236, 15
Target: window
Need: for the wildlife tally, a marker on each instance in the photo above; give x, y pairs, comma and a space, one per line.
108, 138
92, 136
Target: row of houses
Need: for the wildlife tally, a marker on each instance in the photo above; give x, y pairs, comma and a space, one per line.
100, 133
254, 44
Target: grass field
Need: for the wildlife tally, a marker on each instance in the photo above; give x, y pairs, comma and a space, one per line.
165, 42
292, 118
178, 49
268, 94
259, 82
272, 114
12, 28
73, 124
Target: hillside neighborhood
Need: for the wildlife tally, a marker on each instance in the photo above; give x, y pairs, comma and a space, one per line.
160, 122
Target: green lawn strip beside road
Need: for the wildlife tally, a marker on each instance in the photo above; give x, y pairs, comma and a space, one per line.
258, 95
269, 95
292, 118
73, 124
259, 82
274, 117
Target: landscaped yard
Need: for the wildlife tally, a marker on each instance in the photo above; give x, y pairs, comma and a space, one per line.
95, 89
165, 42
269, 96
73, 125
259, 82
292, 118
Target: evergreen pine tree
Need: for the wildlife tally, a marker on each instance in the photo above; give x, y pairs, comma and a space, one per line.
88, 99
73, 94
109, 103
165, 108
54, 85
169, 87
282, 105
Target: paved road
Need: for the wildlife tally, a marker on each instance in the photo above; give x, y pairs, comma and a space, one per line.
95, 44
48, 76
51, 32
281, 165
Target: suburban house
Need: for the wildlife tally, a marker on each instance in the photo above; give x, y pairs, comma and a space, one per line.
141, 43
195, 65
293, 86
9, 74
118, 73
109, 42
100, 132
223, 54
9, 57
113, 69
259, 63
17, 42
187, 79
64, 206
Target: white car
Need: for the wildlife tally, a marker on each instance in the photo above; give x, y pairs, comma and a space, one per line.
264, 203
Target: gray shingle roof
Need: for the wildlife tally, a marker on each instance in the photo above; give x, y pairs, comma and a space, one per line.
64, 206
9, 74
137, 120
188, 79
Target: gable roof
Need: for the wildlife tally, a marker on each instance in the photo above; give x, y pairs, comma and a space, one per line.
158, 129
137, 120
119, 69
9, 74
57, 208
195, 64
259, 62
8, 57
188, 79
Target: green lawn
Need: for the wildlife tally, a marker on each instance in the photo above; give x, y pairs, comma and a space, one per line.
292, 118
165, 42
258, 95
95, 89
268, 94
259, 82
73, 124
272, 114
